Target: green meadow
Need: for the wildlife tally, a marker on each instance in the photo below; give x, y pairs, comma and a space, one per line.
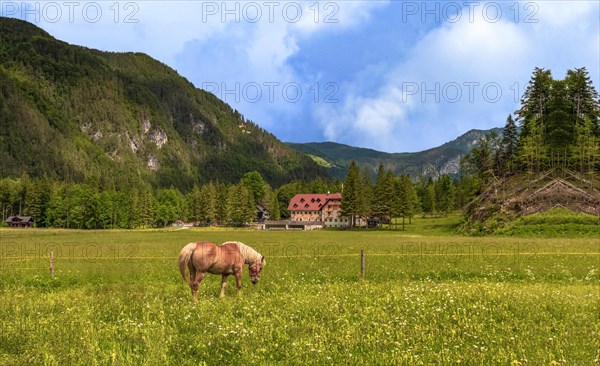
428, 297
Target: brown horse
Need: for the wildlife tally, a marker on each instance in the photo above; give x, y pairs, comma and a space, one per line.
228, 258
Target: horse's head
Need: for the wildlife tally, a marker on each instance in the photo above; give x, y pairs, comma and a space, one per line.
255, 269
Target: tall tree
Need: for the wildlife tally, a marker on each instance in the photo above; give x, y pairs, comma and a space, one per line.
366, 197
412, 198
586, 153
37, 200
255, 184
223, 214
351, 195
194, 202
481, 159
558, 122
534, 102
509, 145
169, 207
533, 153
428, 200
583, 96
208, 202
240, 204
383, 193
444, 195
274, 207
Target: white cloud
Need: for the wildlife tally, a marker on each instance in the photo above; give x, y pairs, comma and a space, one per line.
464, 56
334, 15
259, 53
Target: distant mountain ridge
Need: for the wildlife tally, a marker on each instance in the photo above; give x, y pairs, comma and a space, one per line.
73, 113
444, 159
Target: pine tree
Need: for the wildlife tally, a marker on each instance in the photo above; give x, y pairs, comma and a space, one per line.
150, 206
254, 182
586, 152
509, 145
194, 202
429, 203
533, 153
481, 159
412, 198
274, 207
444, 195
233, 204
534, 102
400, 202
351, 195
240, 204
583, 95
209, 196
558, 122
223, 214
37, 199
383, 193
366, 197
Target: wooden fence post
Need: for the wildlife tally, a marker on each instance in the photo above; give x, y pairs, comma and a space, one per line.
362, 263
52, 264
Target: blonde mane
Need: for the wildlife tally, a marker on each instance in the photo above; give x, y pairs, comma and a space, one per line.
250, 255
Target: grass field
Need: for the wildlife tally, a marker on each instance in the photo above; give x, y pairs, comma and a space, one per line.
428, 298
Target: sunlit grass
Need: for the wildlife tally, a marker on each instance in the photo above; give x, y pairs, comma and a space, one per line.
117, 298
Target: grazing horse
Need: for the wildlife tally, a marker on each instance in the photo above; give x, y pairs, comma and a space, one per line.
228, 258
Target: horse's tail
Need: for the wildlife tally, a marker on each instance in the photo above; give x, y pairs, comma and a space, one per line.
184, 258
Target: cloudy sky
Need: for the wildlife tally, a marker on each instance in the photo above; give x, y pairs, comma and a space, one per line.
390, 75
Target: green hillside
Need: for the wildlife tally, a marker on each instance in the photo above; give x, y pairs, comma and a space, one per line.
72, 113
444, 159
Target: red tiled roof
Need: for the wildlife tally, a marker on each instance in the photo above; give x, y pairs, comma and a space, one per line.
311, 201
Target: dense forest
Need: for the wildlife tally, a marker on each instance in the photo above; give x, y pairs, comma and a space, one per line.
73, 114
552, 161
559, 127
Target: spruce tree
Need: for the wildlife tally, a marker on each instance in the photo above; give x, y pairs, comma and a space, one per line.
583, 95
534, 102
274, 207
558, 122
366, 197
509, 145
379, 199
351, 195
209, 202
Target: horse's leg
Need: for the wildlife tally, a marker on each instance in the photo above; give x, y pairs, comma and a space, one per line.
223, 284
198, 278
192, 277
238, 280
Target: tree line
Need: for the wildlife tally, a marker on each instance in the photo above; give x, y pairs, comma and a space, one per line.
391, 196
88, 206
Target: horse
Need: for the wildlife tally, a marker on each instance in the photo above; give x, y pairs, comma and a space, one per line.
226, 259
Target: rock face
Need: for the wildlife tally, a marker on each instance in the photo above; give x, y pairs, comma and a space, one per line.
159, 138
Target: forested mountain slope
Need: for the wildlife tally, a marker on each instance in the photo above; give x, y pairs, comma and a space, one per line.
74, 114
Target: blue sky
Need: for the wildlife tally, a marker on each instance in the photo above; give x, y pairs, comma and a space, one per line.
389, 75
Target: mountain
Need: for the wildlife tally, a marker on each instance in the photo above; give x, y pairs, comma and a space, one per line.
444, 159
73, 113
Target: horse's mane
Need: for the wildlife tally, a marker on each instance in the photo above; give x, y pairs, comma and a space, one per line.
250, 255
